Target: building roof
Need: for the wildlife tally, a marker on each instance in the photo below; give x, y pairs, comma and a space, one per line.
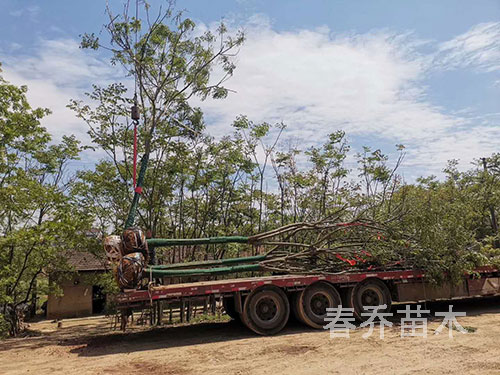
86, 261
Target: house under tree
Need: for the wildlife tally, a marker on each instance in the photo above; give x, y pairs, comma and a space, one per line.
81, 297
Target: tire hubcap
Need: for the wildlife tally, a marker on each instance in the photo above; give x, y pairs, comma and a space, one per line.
266, 309
370, 297
319, 303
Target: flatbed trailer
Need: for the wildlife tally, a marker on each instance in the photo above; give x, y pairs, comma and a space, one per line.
265, 303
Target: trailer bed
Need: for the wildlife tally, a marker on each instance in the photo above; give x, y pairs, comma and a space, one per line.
288, 282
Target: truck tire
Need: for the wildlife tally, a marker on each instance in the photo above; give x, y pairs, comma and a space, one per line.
266, 310
297, 311
314, 301
371, 292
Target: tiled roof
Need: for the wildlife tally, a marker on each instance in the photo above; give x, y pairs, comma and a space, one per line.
86, 261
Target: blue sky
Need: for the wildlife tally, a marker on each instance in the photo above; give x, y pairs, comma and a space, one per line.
422, 73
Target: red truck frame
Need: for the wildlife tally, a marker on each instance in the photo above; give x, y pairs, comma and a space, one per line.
264, 304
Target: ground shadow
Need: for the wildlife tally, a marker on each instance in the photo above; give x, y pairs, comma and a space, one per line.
167, 337
228, 331
94, 339
75, 335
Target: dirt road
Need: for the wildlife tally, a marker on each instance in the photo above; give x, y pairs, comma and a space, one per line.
88, 346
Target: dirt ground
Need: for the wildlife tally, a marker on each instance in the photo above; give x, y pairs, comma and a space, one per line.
89, 346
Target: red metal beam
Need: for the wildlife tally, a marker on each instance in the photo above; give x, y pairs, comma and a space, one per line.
203, 288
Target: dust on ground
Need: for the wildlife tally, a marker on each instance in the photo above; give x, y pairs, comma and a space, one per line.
90, 346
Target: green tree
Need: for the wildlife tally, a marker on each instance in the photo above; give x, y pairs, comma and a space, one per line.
328, 162
171, 63
38, 221
253, 136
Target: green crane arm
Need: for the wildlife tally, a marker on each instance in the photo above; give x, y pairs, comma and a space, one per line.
157, 242
215, 262
156, 273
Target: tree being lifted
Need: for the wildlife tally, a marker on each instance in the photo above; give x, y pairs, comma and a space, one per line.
169, 66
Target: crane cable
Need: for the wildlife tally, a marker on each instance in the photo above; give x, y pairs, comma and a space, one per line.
135, 119
135, 108
147, 144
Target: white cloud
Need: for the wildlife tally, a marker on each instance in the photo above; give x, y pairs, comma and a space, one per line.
16, 13
317, 82
466, 145
62, 63
31, 11
15, 46
370, 85
478, 48
55, 73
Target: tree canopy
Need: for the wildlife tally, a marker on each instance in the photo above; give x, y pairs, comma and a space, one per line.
39, 219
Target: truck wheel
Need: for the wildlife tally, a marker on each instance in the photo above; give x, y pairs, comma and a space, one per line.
295, 301
315, 299
228, 303
266, 310
371, 292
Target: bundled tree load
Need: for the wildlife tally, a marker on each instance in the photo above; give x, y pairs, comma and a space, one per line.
324, 247
113, 248
129, 271
128, 255
134, 241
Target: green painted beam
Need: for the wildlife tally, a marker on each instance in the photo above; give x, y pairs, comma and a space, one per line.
215, 262
140, 181
202, 271
157, 242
